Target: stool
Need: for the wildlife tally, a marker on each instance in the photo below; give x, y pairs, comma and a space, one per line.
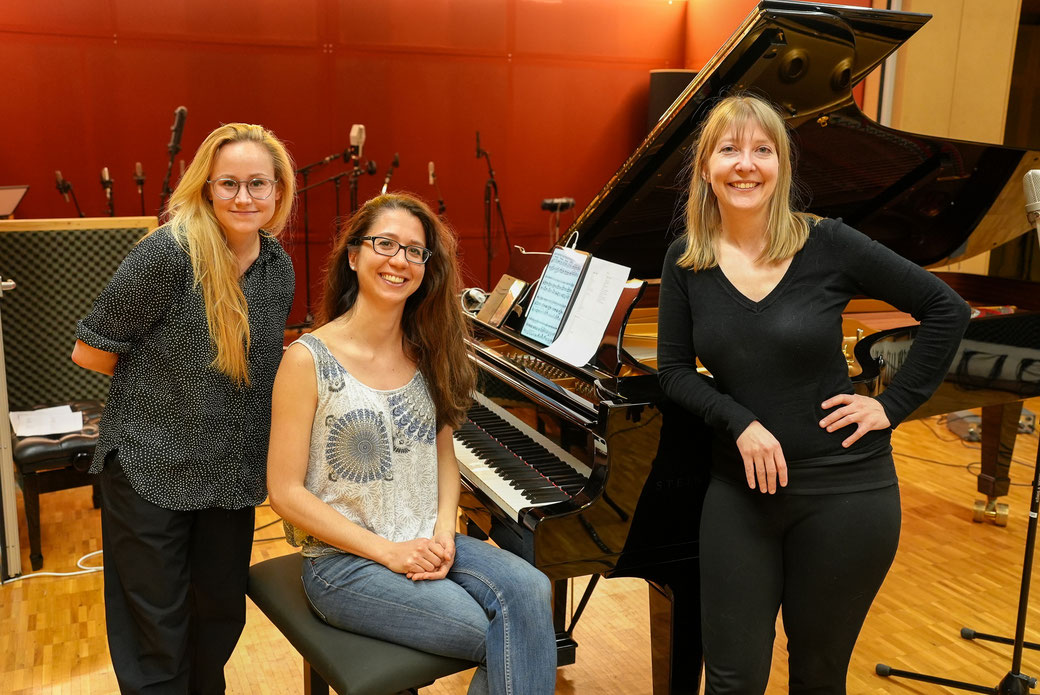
55, 462
351, 664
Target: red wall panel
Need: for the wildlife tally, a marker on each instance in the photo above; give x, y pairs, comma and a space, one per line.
557, 90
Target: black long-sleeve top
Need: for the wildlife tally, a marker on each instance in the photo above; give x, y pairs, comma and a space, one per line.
778, 359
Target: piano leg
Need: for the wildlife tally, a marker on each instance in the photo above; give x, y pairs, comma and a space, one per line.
999, 430
675, 638
565, 644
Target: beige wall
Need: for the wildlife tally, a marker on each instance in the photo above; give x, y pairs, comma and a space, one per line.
953, 78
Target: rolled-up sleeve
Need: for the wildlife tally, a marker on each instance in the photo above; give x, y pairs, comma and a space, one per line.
138, 295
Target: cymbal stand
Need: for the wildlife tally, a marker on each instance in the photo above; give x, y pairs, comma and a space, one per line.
1014, 682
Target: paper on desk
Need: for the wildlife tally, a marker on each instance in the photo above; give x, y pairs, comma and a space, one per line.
588, 318
56, 420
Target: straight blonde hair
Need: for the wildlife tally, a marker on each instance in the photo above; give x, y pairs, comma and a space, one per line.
194, 225
787, 229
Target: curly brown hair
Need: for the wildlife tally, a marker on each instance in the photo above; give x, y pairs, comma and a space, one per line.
433, 325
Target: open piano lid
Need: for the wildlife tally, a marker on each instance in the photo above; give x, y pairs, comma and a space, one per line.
932, 200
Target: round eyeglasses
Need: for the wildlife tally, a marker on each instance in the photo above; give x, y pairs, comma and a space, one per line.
385, 246
227, 188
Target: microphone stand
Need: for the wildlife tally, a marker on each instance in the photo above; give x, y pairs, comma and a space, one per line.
440, 199
106, 185
491, 191
305, 171
334, 180
139, 180
164, 195
355, 173
1014, 682
65, 188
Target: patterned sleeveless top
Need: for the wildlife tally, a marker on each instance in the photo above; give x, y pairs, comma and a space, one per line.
373, 455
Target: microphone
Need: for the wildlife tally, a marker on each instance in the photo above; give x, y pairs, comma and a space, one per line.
62, 186
178, 130
139, 177
106, 182
357, 140
1031, 184
557, 204
371, 168
433, 176
479, 151
390, 172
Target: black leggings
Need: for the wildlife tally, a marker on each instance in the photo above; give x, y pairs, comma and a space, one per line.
821, 558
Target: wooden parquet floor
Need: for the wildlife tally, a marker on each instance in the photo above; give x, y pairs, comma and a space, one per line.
949, 573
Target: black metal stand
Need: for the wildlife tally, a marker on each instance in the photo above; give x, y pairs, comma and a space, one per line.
1015, 682
65, 188
491, 194
139, 180
305, 172
356, 172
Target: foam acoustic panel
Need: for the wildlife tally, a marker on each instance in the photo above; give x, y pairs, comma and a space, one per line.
59, 272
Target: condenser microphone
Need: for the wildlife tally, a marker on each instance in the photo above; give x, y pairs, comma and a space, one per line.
63, 185
1031, 184
433, 176
106, 182
139, 177
178, 129
357, 140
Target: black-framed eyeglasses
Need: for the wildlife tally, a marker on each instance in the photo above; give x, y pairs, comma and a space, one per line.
228, 188
385, 246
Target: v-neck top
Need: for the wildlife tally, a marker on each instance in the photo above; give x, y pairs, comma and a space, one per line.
778, 359
763, 303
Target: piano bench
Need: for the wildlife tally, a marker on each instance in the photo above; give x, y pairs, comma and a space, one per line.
351, 664
55, 462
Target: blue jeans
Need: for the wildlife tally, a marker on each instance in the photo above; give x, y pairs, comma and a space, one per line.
492, 608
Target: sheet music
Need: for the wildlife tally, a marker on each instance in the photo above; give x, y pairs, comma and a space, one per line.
597, 298
56, 420
554, 294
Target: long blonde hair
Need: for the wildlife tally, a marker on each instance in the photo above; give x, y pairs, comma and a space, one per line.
433, 325
787, 229
194, 225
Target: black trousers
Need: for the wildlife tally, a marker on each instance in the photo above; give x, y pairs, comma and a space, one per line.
175, 584
819, 558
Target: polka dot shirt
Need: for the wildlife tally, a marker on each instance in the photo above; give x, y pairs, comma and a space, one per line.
187, 437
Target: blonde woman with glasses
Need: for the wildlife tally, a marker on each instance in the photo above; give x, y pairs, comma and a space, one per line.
190, 328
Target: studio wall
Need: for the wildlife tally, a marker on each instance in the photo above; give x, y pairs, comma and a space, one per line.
557, 90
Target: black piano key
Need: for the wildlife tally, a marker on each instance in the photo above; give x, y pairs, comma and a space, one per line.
526, 465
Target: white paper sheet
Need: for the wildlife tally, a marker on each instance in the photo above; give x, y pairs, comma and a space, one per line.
56, 420
597, 298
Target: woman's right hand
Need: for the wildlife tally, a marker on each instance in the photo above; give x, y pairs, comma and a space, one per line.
764, 462
416, 556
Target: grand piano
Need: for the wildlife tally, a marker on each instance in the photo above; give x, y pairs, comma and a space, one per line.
590, 470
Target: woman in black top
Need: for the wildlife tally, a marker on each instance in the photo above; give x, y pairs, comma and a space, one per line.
190, 328
802, 513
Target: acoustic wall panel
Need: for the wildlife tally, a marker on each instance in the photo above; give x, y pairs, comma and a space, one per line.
59, 269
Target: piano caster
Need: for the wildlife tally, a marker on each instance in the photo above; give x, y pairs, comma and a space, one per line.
997, 512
